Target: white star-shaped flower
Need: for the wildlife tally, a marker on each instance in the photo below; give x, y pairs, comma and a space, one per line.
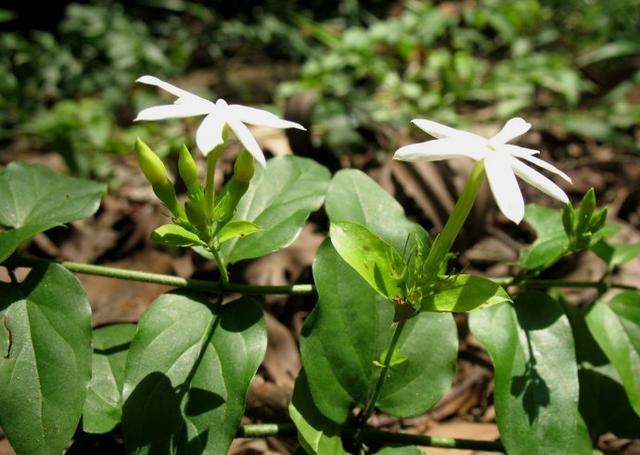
502, 161
217, 115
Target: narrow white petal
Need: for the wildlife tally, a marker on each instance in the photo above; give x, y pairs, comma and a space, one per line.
255, 116
534, 178
517, 150
246, 138
541, 163
513, 128
440, 149
209, 133
440, 131
504, 186
172, 111
177, 91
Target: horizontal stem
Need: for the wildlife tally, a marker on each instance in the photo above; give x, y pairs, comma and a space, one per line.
168, 280
293, 289
386, 437
551, 283
374, 435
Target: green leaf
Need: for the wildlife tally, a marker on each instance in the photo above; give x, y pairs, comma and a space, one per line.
33, 199
172, 234
354, 196
601, 388
316, 433
616, 328
103, 406
551, 241
187, 374
536, 377
350, 328
235, 229
45, 368
279, 200
615, 254
462, 293
375, 260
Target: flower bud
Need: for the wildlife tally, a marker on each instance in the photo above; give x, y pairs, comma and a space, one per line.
188, 171
587, 206
598, 220
244, 166
195, 214
150, 164
228, 200
568, 219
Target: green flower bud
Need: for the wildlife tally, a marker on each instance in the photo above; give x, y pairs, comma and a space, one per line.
150, 164
598, 220
167, 194
196, 215
587, 206
189, 172
568, 219
228, 200
244, 166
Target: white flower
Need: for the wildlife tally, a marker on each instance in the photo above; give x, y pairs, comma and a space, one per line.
218, 114
502, 161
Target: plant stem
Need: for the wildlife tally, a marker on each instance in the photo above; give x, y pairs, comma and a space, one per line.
368, 410
551, 283
168, 280
224, 274
443, 242
374, 435
209, 188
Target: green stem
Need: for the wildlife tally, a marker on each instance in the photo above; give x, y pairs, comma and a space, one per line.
167, 280
224, 274
445, 239
209, 188
368, 410
374, 435
552, 283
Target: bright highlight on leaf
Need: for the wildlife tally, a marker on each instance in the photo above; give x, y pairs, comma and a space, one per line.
503, 162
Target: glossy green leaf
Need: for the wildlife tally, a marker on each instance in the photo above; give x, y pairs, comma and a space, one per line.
377, 262
235, 229
350, 328
551, 239
187, 374
316, 434
616, 328
464, 293
616, 254
601, 388
536, 378
33, 199
172, 234
45, 368
279, 200
354, 196
103, 406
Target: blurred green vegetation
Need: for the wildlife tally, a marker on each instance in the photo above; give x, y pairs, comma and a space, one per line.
574, 65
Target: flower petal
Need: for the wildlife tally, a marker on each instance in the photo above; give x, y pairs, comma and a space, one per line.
440, 131
541, 163
504, 186
246, 138
517, 150
177, 91
209, 133
440, 149
513, 128
534, 178
173, 111
255, 116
